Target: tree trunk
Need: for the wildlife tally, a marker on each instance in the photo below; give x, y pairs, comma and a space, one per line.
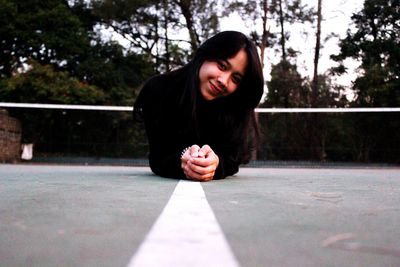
167, 55
318, 125
316, 56
264, 38
283, 39
187, 14
157, 67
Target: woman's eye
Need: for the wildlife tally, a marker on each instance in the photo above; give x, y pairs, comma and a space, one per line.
236, 79
221, 65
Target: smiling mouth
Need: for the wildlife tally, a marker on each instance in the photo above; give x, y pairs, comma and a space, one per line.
216, 90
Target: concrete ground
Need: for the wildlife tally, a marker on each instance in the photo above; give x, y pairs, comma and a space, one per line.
98, 216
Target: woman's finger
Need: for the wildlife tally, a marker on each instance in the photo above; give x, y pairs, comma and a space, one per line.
198, 173
205, 150
194, 151
202, 170
210, 159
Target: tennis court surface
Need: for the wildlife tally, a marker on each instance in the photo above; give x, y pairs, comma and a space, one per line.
52, 215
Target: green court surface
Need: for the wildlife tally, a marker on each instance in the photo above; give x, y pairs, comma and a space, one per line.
52, 215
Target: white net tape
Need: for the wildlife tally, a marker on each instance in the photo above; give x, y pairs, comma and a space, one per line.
259, 110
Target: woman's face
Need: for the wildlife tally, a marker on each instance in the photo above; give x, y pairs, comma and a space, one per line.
220, 78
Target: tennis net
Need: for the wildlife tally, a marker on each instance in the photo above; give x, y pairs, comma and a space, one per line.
107, 134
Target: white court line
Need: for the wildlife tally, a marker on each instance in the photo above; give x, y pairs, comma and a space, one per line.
186, 234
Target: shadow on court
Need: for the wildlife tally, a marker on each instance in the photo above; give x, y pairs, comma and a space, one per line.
98, 216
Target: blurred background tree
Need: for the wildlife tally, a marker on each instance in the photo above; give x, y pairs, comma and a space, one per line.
376, 44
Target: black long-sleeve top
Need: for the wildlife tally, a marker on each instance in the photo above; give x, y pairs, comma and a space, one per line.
169, 130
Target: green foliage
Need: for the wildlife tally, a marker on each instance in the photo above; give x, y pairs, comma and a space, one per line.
8, 13
46, 31
117, 73
42, 84
376, 44
286, 89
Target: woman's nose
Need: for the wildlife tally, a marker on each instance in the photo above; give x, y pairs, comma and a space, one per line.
223, 79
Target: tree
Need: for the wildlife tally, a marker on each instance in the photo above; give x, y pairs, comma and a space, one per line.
286, 135
286, 89
135, 21
43, 84
46, 31
152, 29
201, 17
375, 43
289, 12
274, 14
119, 74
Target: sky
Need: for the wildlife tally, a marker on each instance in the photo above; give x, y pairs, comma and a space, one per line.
336, 18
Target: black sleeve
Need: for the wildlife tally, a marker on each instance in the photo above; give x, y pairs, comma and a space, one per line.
164, 144
226, 166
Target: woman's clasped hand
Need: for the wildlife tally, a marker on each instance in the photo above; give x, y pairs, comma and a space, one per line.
199, 163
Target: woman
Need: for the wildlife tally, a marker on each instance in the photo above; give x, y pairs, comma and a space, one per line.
200, 119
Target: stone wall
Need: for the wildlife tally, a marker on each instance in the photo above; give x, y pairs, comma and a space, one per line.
10, 138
